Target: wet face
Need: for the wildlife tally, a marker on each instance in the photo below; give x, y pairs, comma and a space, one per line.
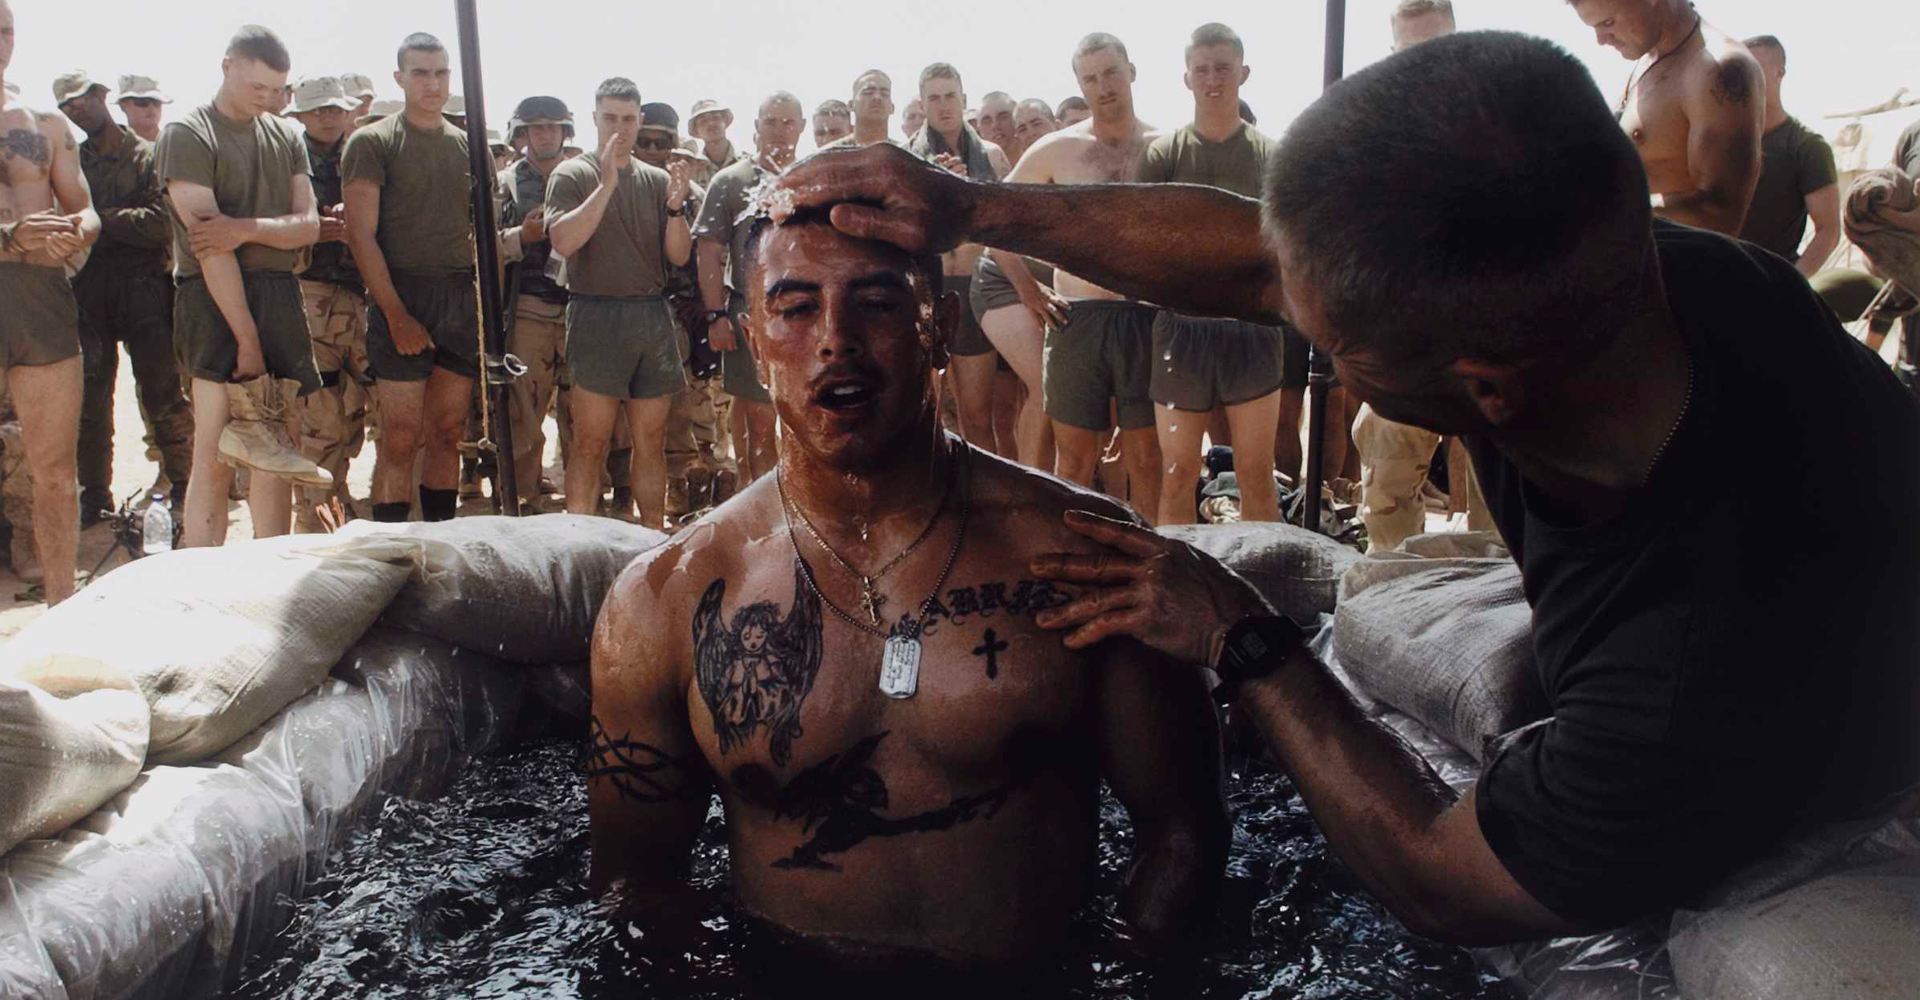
655, 145
850, 331
1397, 390
945, 104
873, 97
1106, 81
252, 86
779, 126
325, 125
426, 78
88, 111
914, 117
1031, 121
545, 140
1214, 74
996, 120
616, 117
1629, 27
1411, 31
142, 115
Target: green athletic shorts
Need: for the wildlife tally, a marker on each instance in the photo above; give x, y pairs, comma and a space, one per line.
1293, 360
204, 344
737, 373
449, 308
40, 322
1200, 365
624, 348
969, 340
1098, 366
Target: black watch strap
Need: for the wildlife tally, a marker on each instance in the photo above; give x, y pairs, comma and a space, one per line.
1255, 647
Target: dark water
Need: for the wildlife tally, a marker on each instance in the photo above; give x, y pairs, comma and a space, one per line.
482, 893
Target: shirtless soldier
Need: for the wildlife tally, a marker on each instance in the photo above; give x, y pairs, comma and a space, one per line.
934, 810
949, 141
46, 217
1694, 108
1099, 345
406, 184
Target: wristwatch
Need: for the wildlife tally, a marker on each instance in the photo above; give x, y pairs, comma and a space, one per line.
675, 213
1254, 647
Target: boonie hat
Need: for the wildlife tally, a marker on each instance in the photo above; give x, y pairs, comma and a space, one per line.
358, 85
68, 86
316, 92
142, 88
456, 106
707, 106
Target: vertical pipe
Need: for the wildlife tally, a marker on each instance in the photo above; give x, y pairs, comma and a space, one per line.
1319, 366
487, 258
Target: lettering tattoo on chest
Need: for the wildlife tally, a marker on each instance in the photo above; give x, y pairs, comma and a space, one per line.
988, 600
755, 672
640, 772
841, 801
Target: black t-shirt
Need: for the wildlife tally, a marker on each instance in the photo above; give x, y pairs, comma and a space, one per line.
1733, 658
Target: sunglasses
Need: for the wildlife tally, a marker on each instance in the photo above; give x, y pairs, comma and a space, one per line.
654, 142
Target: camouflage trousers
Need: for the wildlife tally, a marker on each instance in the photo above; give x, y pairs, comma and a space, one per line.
539, 339
1394, 460
333, 421
697, 435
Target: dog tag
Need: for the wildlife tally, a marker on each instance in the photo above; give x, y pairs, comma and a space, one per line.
900, 668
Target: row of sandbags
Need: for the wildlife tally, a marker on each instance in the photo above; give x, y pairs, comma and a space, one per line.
1436, 640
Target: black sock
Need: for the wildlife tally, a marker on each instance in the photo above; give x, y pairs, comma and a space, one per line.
438, 505
392, 513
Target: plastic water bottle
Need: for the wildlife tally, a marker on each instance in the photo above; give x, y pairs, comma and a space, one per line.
156, 527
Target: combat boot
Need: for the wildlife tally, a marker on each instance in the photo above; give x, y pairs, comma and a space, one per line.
256, 435
678, 492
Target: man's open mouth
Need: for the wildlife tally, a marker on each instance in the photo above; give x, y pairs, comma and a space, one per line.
846, 394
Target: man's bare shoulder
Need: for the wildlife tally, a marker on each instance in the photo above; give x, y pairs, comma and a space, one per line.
1726, 71
659, 585
1026, 508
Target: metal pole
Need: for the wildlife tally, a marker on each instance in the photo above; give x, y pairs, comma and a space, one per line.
1319, 366
486, 245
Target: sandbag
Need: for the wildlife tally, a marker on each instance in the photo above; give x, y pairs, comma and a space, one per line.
1447, 641
65, 751
25, 970
521, 589
1851, 934
218, 640
321, 757
434, 704
1296, 570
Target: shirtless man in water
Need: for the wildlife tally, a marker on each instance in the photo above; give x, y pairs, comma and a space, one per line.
46, 217
1099, 344
949, 819
1694, 107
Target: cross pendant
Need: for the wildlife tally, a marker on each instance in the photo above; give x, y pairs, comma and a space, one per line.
872, 600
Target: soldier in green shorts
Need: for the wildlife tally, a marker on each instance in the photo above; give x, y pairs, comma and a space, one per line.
723, 246
243, 206
1201, 365
620, 223
409, 226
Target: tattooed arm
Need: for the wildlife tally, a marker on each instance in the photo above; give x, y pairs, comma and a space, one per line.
648, 786
1160, 751
1724, 121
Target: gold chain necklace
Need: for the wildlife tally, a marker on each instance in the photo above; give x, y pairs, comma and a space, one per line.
871, 600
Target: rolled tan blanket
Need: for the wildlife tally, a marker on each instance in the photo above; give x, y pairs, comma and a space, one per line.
1883, 220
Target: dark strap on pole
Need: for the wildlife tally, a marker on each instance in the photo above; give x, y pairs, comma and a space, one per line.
486, 243
1319, 366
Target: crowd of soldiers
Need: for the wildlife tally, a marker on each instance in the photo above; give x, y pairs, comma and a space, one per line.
287, 294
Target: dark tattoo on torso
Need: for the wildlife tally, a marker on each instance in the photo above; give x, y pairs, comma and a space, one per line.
1732, 84
755, 673
640, 771
986, 600
840, 801
991, 648
26, 144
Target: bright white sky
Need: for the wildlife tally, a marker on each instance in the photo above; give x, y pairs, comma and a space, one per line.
1843, 53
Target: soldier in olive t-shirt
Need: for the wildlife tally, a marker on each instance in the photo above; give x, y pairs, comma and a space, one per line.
623, 258
1794, 163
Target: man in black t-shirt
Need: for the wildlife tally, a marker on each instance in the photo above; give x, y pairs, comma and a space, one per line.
1465, 232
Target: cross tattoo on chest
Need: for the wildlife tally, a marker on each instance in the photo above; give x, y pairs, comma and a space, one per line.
991, 649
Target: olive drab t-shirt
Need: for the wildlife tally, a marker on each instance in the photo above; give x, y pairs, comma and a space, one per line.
1794, 162
626, 256
1237, 163
249, 165
425, 212
720, 216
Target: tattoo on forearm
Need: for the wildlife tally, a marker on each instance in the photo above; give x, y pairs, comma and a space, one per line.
840, 802
755, 673
26, 144
640, 772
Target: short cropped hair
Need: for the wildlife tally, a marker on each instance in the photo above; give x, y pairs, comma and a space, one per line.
1097, 42
940, 71
1407, 10
1074, 103
834, 106
1215, 33
1468, 197
777, 97
1769, 42
872, 72
617, 88
262, 46
419, 41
